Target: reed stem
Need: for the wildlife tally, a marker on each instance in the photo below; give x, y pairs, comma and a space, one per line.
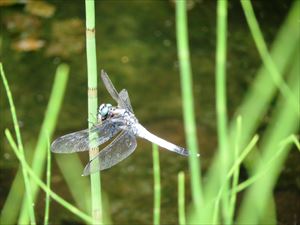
236, 172
29, 195
42, 185
181, 199
48, 181
157, 188
93, 103
221, 98
48, 126
188, 103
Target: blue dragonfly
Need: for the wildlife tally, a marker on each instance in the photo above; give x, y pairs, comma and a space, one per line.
114, 122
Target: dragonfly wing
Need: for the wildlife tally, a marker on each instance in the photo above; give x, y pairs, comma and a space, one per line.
109, 86
111, 89
125, 97
86, 139
120, 148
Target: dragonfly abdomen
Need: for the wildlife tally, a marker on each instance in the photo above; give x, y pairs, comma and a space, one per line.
144, 133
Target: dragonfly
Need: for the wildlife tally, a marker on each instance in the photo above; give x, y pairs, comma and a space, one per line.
116, 123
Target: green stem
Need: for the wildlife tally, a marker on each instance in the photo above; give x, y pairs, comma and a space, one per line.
48, 177
181, 199
43, 186
258, 97
234, 167
284, 121
290, 140
236, 171
29, 200
188, 103
221, 98
266, 57
48, 126
92, 103
157, 188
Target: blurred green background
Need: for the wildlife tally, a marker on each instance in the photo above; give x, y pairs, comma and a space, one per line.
136, 46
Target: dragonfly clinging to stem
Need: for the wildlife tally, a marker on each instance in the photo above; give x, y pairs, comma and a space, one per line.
114, 122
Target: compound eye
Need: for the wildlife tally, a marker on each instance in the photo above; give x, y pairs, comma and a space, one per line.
101, 107
104, 111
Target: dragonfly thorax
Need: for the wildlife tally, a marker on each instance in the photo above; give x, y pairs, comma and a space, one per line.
128, 118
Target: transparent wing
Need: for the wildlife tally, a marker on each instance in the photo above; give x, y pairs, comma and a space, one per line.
81, 141
120, 148
111, 89
125, 97
109, 86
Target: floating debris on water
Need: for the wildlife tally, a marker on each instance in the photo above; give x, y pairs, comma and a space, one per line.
27, 44
67, 38
40, 8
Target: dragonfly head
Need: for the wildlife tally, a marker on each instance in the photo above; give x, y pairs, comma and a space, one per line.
104, 111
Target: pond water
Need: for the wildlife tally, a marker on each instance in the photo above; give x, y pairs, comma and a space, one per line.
136, 46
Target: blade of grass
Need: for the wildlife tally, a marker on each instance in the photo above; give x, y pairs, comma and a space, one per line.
29, 194
48, 126
243, 155
48, 181
181, 199
291, 140
41, 184
284, 122
283, 146
157, 189
221, 107
236, 171
234, 167
265, 56
266, 168
188, 104
259, 96
92, 103
13, 201
71, 166
10, 210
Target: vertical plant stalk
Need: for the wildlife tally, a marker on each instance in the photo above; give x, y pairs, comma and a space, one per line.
260, 94
48, 126
13, 201
157, 187
284, 122
221, 98
188, 103
48, 178
181, 199
237, 170
29, 200
93, 103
